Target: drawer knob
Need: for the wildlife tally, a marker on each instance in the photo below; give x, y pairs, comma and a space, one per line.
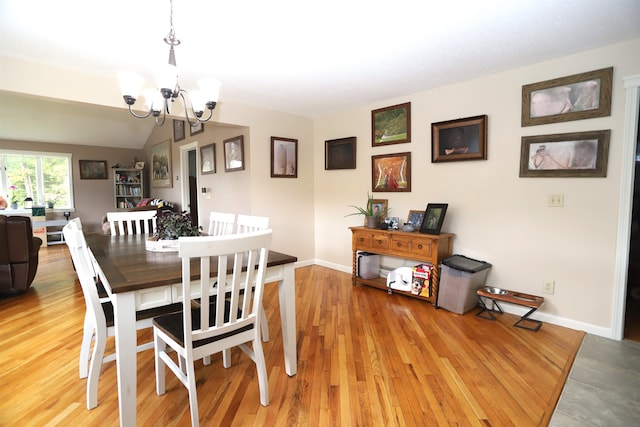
420, 246
398, 244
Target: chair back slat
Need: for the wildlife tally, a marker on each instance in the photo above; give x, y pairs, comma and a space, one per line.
137, 222
250, 223
241, 263
221, 223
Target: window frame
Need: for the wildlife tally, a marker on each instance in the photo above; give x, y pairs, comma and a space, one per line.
40, 189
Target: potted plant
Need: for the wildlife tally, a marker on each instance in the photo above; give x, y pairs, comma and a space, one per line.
169, 226
372, 213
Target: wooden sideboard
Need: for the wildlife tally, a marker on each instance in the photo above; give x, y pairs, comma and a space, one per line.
424, 248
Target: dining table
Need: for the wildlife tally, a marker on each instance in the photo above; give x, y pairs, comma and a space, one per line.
139, 279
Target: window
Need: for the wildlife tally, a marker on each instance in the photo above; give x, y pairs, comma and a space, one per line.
45, 177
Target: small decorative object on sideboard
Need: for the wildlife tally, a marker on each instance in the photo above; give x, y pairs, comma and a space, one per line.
170, 226
376, 210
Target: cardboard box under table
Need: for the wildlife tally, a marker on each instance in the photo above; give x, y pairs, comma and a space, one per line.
460, 278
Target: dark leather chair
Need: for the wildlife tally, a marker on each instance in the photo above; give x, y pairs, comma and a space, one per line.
18, 254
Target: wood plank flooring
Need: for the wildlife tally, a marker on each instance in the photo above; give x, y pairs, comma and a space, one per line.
366, 358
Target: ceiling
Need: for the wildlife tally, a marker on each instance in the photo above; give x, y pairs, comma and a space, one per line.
306, 58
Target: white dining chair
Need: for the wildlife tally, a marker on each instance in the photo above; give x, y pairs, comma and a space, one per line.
136, 222
221, 223
98, 323
219, 322
248, 223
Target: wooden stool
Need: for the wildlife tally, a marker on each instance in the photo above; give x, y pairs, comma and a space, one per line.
513, 297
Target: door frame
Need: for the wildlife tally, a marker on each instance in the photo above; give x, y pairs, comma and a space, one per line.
632, 109
184, 172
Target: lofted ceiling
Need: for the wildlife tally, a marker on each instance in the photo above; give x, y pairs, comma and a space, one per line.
305, 58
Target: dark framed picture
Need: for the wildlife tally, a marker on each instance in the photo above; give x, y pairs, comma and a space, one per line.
340, 153
580, 96
284, 157
161, 165
568, 155
178, 130
196, 129
391, 172
433, 218
460, 139
234, 154
391, 125
415, 218
208, 159
93, 169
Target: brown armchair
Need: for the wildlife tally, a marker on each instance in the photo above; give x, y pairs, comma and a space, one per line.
18, 254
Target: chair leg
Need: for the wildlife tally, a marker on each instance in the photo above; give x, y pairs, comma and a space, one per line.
265, 325
85, 347
261, 366
159, 347
193, 395
226, 358
206, 360
94, 368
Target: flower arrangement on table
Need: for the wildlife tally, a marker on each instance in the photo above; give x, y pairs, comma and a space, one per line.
171, 225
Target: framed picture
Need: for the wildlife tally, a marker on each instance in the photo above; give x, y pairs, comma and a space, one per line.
139, 165
579, 154
196, 129
581, 96
284, 157
208, 159
234, 154
391, 125
391, 172
377, 205
460, 139
415, 218
340, 153
93, 169
433, 218
161, 165
178, 130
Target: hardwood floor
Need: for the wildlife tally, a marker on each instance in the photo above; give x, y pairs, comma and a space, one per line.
366, 358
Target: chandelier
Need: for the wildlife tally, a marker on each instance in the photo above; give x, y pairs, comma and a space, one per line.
159, 100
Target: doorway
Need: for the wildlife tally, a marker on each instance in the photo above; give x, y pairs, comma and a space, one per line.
632, 301
189, 178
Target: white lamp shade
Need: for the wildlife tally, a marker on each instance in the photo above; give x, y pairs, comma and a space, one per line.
210, 89
167, 76
153, 99
130, 83
198, 100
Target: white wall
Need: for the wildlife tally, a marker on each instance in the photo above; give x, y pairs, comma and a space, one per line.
496, 215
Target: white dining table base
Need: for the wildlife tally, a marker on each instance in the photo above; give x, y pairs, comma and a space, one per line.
124, 304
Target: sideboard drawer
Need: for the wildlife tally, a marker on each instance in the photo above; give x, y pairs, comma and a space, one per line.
421, 247
380, 241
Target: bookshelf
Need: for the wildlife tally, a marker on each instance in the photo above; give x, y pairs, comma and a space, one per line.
128, 187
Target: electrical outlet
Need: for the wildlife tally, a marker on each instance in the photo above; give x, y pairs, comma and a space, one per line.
548, 286
556, 200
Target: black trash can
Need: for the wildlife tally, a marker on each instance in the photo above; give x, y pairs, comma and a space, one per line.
460, 278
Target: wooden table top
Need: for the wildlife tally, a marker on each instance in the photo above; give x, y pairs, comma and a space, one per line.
128, 266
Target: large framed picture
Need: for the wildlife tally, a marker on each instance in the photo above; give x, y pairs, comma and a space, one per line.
460, 139
93, 169
340, 153
161, 165
208, 159
234, 154
178, 130
391, 172
568, 155
284, 157
391, 125
580, 96
433, 218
